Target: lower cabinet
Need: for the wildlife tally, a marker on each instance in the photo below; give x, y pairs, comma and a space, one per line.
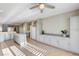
60, 42
69, 44
54, 41
7, 35
49, 40
21, 39
2, 37
74, 40
64, 43
46, 39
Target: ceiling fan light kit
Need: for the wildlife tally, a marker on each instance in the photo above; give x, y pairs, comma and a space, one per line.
42, 6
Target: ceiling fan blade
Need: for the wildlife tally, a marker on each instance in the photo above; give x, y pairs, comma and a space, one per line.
49, 6
34, 6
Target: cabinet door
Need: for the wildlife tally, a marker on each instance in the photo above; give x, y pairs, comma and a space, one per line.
7, 36
45, 39
74, 34
74, 23
42, 38
64, 43
49, 40
2, 37
54, 41
74, 39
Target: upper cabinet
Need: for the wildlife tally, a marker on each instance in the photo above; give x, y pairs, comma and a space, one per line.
74, 23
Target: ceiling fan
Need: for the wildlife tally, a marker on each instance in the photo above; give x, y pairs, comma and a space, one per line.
42, 6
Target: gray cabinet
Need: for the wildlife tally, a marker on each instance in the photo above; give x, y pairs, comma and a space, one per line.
74, 33
2, 37
54, 41
64, 43
60, 42
21, 39
6, 36
51, 40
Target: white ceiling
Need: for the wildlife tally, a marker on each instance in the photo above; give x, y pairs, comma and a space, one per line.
11, 13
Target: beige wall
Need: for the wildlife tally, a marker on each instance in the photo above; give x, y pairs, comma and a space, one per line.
55, 24
10, 29
24, 27
20, 28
